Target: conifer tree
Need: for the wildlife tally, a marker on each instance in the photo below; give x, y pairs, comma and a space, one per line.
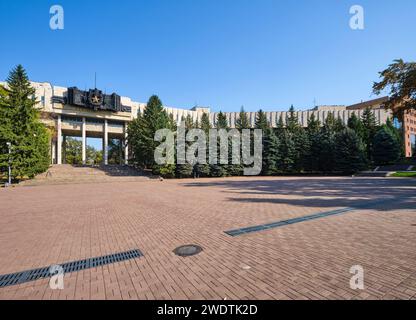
141, 132
20, 125
386, 147
370, 129
271, 154
355, 124
349, 152
242, 122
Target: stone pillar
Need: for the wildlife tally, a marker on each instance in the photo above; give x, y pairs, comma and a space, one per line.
53, 151
59, 140
126, 146
84, 141
105, 140
64, 149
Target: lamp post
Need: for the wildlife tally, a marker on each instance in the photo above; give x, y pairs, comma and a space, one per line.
9, 145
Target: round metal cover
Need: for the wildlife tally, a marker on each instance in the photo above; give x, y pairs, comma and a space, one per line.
187, 250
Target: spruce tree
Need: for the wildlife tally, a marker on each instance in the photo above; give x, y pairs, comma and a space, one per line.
355, 124
325, 146
313, 124
261, 120
205, 124
311, 155
21, 127
220, 170
349, 152
204, 169
141, 132
271, 153
286, 152
370, 129
242, 122
292, 120
386, 147
300, 140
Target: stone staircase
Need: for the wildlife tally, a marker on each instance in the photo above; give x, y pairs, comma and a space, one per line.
69, 174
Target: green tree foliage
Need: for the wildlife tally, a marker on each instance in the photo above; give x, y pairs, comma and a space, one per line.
261, 121
20, 125
204, 169
73, 153
400, 79
270, 152
356, 124
300, 140
220, 170
386, 147
312, 152
141, 132
242, 122
370, 129
349, 152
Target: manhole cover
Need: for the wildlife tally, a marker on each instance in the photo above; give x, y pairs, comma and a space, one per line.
187, 250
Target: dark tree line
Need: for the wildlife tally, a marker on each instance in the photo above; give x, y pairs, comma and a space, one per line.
329, 147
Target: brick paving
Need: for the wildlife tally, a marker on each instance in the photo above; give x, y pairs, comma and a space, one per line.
50, 224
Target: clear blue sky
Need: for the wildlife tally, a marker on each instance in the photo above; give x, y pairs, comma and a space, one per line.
221, 53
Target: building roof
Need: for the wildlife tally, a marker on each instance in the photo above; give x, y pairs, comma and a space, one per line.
373, 104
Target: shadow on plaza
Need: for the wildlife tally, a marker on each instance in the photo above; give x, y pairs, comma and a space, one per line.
377, 194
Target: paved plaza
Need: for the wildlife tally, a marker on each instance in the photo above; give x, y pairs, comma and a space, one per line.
53, 224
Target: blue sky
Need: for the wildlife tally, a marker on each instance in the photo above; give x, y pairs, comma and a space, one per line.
220, 53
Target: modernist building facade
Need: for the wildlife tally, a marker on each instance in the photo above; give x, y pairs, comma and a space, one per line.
73, 112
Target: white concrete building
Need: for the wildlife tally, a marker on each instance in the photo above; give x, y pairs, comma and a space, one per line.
72, 112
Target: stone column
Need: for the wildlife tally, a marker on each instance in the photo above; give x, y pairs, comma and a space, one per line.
59, 140
126, 146
105, 140
84, 141
64, 149
53, 151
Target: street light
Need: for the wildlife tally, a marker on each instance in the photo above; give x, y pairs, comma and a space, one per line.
9, 145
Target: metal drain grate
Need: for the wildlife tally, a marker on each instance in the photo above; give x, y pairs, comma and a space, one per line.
73, 266
238, 232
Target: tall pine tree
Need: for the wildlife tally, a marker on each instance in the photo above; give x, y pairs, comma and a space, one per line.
20, 125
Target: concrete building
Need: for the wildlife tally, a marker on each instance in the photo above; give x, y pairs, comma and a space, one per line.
72, 112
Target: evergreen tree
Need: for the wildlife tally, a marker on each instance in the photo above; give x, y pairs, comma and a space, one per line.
21, 127
386, 147
286, 152
205, 124
339, 125
355, 124
311, 154
261, 120
300, 140
324, 145
204, 169
222, 122
313, 124
292, 122
349, 152
242, 122
271, 153
220, 170
370, 129
189, 122
141, 132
